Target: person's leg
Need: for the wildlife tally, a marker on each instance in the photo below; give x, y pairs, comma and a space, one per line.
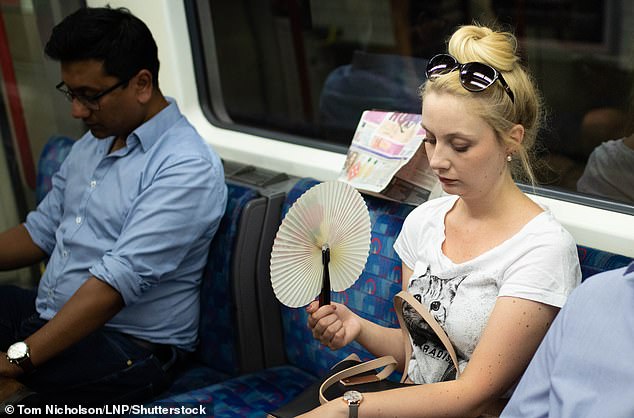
104, 367
16, 305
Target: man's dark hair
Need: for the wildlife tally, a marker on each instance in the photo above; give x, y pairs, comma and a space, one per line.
113, 36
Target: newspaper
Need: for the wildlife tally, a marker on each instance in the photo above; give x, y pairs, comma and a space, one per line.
386, 158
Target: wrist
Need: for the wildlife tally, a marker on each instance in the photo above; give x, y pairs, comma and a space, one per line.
7, 369
352, 400
19, 355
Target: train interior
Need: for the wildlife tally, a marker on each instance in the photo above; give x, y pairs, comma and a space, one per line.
254, 353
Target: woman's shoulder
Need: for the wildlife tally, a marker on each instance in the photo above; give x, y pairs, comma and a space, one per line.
434, 206
548, 229
545, 241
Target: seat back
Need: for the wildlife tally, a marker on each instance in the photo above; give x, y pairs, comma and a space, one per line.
230, 337
51, 158
595, 261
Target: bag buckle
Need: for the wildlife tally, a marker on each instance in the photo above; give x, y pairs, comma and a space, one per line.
357, 380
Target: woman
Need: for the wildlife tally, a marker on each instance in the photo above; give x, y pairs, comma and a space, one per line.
493, 266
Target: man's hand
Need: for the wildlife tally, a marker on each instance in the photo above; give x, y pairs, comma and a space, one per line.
8, 369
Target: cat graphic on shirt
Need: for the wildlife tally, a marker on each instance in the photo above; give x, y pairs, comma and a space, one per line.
430, 361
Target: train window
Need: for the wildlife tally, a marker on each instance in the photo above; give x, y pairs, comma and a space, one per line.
31, 110
308, 68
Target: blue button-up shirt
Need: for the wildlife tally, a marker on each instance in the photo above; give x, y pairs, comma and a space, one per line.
583, 367
140, 219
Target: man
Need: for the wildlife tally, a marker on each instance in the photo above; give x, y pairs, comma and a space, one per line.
126, 227
583, 366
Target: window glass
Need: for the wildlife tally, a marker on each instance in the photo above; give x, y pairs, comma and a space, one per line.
308, 68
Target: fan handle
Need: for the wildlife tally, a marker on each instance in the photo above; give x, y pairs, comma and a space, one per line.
324, 296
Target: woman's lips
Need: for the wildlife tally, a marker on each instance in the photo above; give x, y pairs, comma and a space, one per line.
445, 180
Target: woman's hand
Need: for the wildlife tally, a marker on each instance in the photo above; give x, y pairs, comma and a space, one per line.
333, 325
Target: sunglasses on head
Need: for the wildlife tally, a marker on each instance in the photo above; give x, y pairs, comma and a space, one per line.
474, 76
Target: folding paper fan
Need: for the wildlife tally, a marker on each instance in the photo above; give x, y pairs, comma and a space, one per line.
323, 243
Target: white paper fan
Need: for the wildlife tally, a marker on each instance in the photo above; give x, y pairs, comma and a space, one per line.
328, 221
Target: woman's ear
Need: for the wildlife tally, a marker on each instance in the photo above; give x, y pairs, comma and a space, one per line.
516, 135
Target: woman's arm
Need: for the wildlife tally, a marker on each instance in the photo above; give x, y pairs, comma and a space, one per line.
514, 330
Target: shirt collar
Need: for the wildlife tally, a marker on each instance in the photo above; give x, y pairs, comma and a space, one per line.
149, 133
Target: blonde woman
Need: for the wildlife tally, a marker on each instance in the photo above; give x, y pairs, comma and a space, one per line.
492, 266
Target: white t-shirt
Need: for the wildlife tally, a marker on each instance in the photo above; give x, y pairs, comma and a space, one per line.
538, 263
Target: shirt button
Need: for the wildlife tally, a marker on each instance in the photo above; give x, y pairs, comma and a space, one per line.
78, 220
65, 253
93, 184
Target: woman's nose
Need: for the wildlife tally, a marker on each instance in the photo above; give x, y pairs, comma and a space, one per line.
438, 159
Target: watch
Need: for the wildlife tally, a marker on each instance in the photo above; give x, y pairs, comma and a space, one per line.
20, 355
354, 399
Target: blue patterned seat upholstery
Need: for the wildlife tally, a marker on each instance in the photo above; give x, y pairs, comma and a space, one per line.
247, 396
256, 394
51, 158
595, 261
217, 354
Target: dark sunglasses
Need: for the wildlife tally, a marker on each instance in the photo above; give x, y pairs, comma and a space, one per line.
474, 76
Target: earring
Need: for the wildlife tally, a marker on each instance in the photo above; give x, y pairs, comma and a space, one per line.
509, 158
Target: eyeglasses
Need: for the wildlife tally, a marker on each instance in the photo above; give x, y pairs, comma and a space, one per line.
474, 76
90, 102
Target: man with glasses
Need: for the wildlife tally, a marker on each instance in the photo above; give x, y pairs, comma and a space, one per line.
126, 228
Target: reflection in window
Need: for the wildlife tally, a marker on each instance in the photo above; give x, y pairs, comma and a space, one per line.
309, 68
609, 171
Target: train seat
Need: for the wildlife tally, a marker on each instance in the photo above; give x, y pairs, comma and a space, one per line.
53, 154
303, 358
255, 394
594, 261
229, 341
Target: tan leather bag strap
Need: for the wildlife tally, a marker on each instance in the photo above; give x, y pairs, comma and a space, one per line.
387, 362
429, 318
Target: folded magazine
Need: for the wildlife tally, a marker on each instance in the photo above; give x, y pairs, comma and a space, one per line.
386, 158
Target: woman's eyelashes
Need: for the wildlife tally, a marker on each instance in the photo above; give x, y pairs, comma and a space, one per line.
457, 147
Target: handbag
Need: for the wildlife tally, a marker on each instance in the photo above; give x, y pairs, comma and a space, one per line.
369, 376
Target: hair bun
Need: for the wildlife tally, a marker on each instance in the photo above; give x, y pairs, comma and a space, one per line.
482, 44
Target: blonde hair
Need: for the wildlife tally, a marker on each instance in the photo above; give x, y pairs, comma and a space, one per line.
498, 49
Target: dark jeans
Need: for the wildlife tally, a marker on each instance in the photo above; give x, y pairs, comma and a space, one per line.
104, 367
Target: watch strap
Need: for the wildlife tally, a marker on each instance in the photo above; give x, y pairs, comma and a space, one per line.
26, 364
353, 409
